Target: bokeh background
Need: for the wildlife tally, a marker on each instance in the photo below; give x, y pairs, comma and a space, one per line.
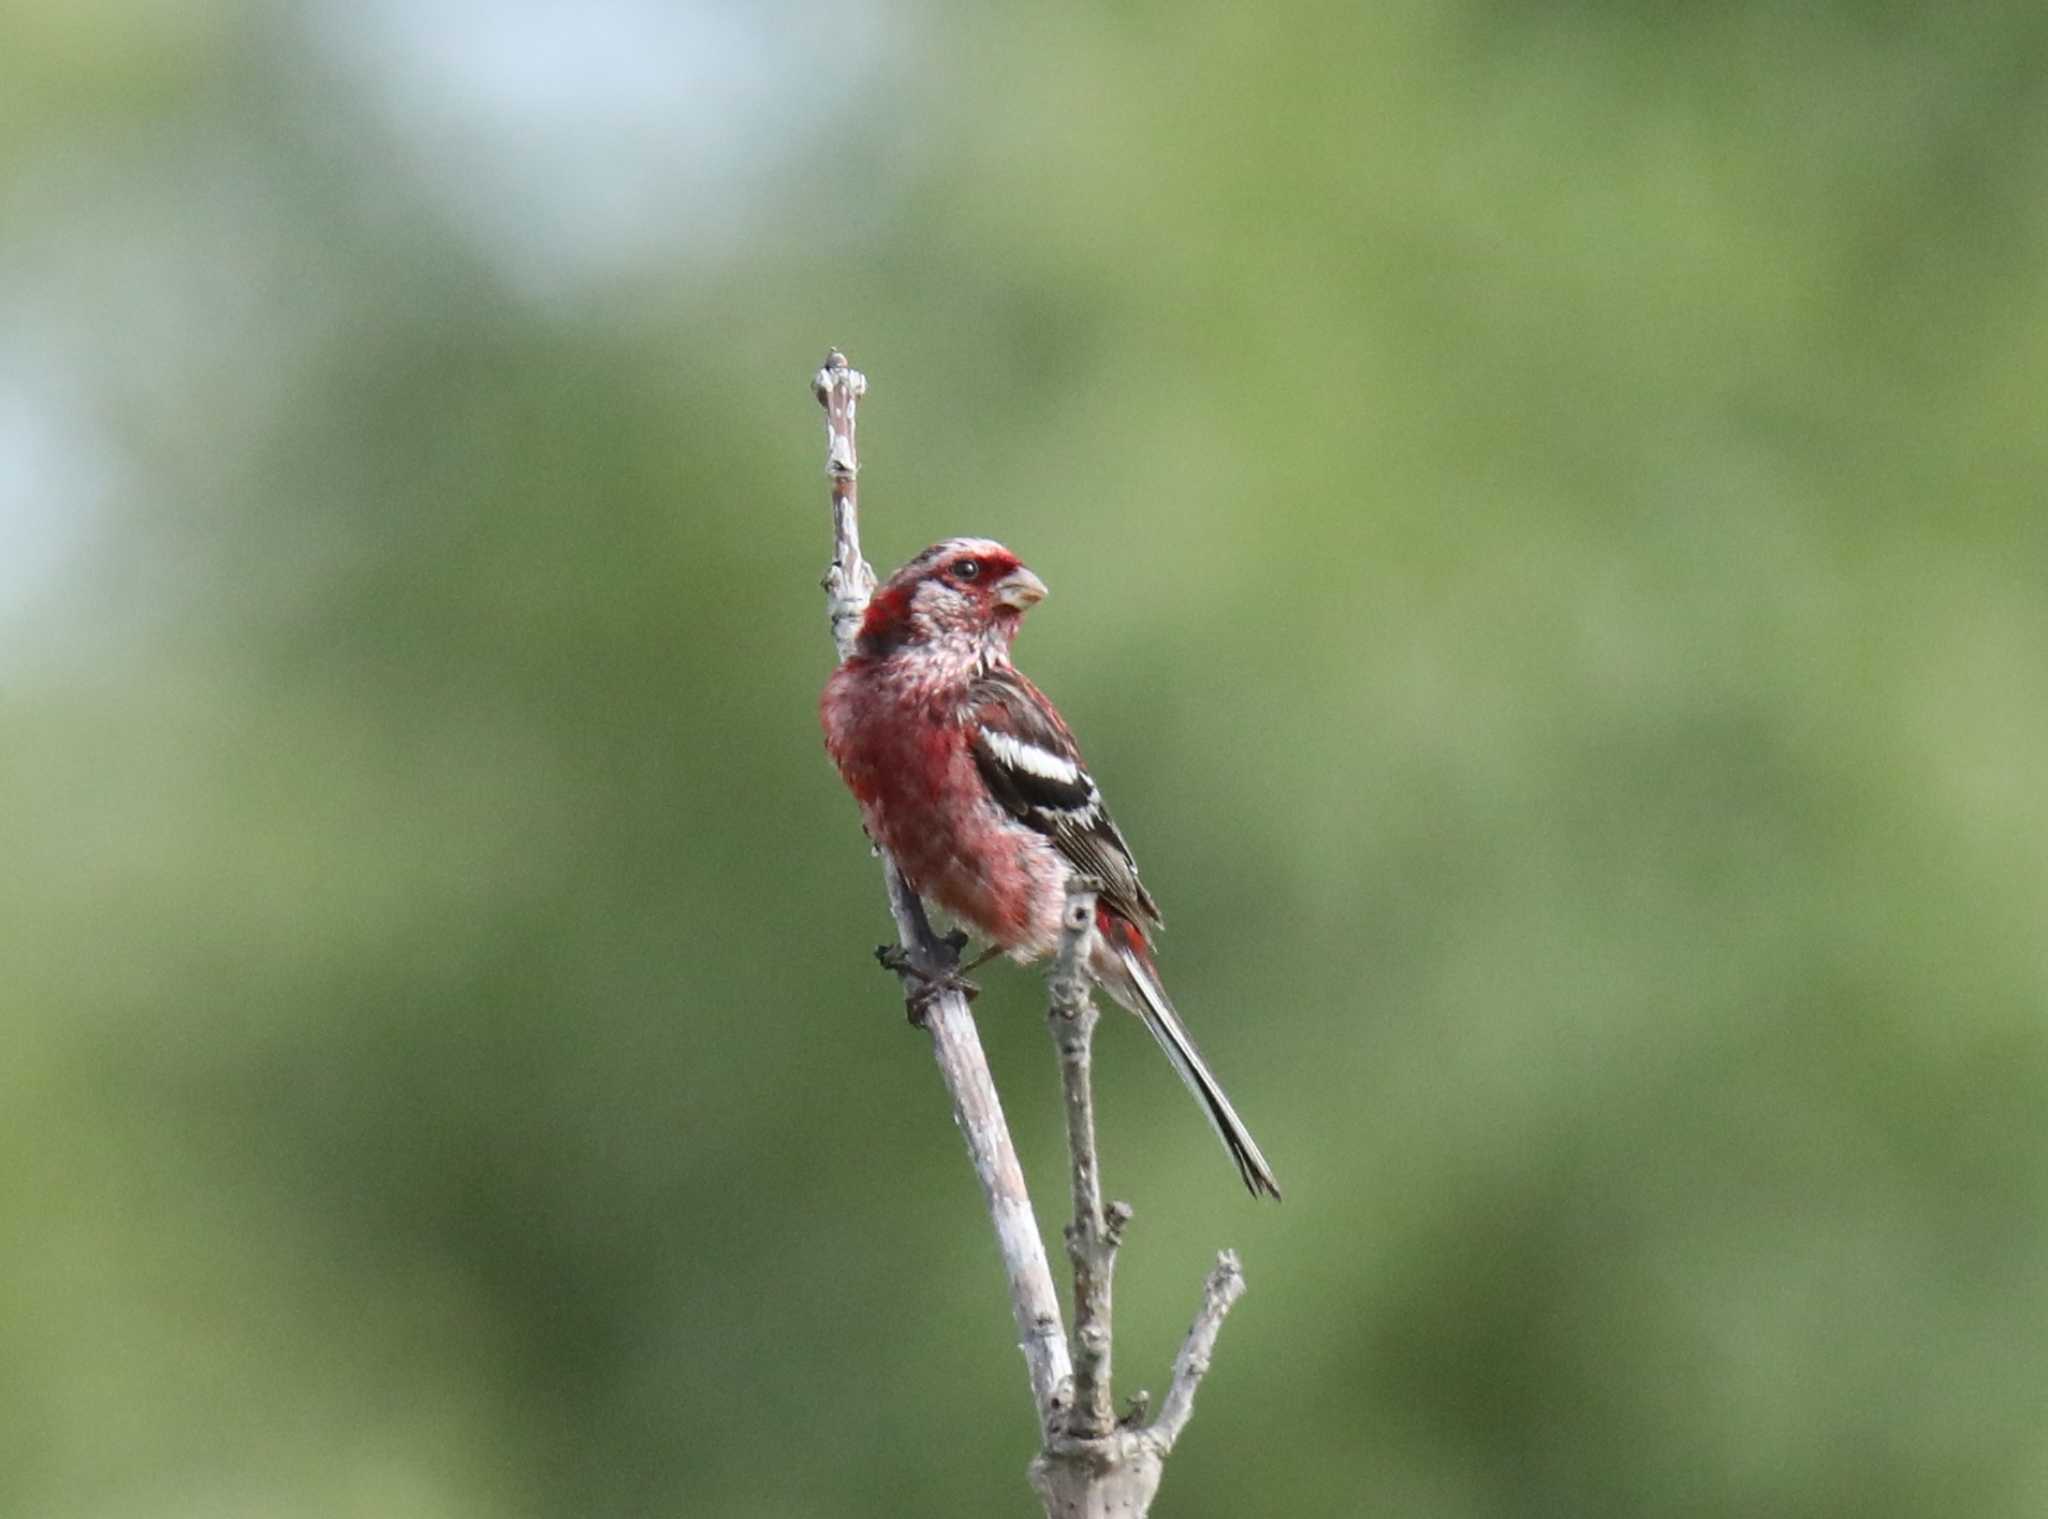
1545, 512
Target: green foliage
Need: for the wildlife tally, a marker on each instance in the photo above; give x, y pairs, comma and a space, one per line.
1543, 506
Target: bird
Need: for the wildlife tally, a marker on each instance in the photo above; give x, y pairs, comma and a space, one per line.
967, 775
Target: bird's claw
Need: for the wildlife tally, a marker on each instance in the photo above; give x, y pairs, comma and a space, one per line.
923, 987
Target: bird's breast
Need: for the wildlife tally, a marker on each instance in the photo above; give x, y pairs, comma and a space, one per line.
904, 754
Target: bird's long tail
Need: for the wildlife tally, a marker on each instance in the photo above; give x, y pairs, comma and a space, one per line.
1138, 989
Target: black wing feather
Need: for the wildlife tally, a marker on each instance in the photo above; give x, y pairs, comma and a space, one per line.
1033, 769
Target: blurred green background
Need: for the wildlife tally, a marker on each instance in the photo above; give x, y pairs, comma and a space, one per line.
1544, 509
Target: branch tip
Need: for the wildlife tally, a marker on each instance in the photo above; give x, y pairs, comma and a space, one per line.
834, 369
1115, 1219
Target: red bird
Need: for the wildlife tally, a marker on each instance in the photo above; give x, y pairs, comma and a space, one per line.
968, 776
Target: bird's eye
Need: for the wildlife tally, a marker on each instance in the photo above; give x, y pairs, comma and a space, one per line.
967, 569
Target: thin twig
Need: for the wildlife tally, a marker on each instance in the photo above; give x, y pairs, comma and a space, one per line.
942, 1009
1093, 1236
849, 580
1224, 1287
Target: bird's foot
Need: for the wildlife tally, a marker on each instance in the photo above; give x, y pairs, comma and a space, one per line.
923, 987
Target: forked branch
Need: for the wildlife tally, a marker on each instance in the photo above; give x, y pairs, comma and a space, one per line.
1090, 1467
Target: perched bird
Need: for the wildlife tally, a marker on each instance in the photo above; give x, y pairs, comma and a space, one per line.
969, 777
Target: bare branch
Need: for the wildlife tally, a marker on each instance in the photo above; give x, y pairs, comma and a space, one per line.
849, 581
1224, 1287
942, 1008
1093, 1236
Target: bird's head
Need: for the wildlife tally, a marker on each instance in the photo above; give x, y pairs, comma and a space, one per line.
967, 591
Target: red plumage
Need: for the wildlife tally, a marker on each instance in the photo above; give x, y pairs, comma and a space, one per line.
966, 773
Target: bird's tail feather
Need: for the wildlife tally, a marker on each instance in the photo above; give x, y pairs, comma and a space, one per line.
1152, 1005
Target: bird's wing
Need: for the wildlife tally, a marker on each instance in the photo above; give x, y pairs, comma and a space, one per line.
1033, 769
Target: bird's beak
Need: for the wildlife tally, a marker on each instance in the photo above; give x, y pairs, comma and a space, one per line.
1020, 590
